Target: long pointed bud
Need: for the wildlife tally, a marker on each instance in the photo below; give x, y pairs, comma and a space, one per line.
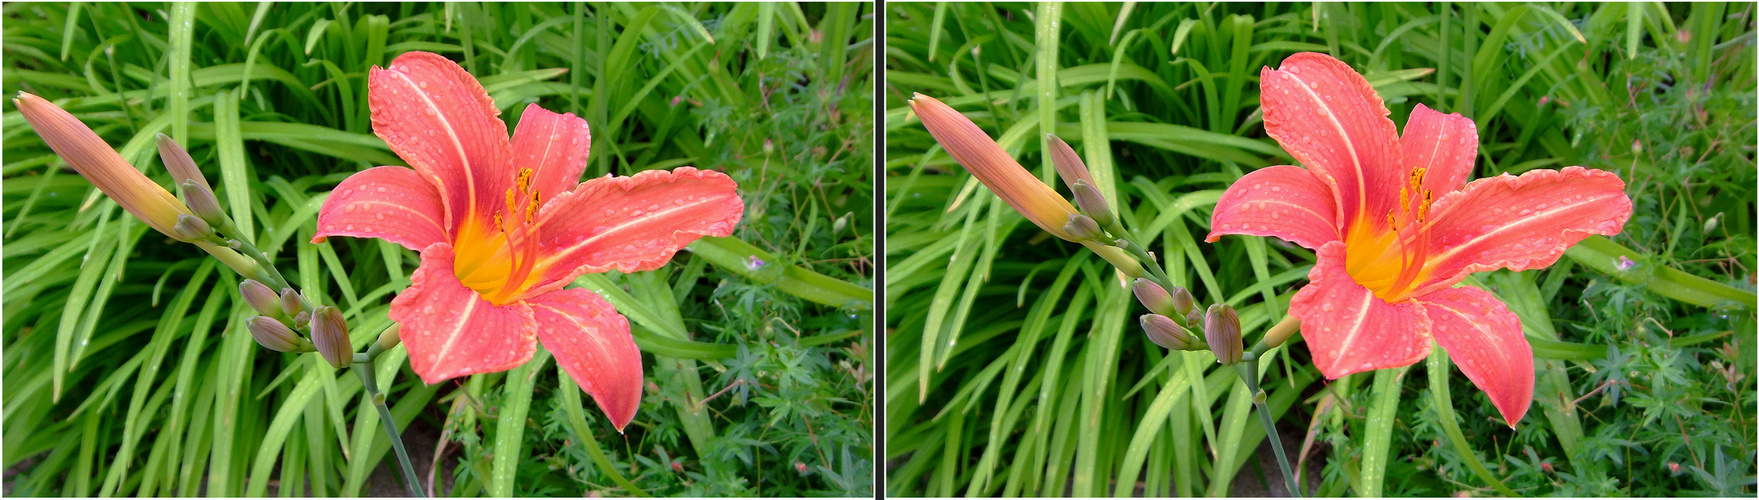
89, 155
178, 161
992, 166
1152, 296
1069, 166
189, 179
260, 297
273, 335
1166, 333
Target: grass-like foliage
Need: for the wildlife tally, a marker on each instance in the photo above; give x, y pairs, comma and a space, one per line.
128, 370
1016, 366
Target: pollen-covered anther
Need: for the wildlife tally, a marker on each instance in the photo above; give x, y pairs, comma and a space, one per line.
531, 208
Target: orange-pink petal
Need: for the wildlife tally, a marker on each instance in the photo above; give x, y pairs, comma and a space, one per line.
632, 223
1445, 145
592, 344
554, 146
439, 119
1521, 222
393, 203
1329, 118
1348, 329
1485, 339
451, 331
1285, 202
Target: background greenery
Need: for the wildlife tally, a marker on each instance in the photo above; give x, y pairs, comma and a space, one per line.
127, 369
1015, 365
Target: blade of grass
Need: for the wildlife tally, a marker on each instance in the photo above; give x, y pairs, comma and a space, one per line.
1378, 439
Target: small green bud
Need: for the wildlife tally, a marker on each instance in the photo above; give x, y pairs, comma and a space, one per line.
1166, 333
191, 229
389, 338
1152, 296
275, 336
201, 200
291, 303
1092, 204
1183, 302
1222, 328
329, 332
1083, 228
178, 161
260, 297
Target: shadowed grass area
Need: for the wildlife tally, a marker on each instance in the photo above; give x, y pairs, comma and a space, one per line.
1016, 367
129, 373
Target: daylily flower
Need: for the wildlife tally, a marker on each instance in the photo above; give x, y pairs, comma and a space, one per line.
1396, 226
503, 225
998, 171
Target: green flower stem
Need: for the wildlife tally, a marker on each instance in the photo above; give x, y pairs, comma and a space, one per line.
1248, 371
1155, 273
364, 369
1247, 368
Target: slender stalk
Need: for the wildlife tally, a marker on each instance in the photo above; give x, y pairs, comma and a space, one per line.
1248, 371
364, 369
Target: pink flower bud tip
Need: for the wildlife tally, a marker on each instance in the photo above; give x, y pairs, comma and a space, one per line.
94, 159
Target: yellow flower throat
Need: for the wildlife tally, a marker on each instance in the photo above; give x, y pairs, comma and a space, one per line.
498, 262
1388, 259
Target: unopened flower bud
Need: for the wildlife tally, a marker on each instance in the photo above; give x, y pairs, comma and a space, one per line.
260, 297
1166, 333
89, 155
1152, 296
191, 228
1092, 204
1183, 301
201, 200
275, 336
993, 166
1222, 327
1083, 228
389, 338
302, 320
290, 302
329, 332
800, 467
178, 161
1194, 319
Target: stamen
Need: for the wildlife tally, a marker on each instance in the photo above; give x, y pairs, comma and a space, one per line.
1423, 211
531, 208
